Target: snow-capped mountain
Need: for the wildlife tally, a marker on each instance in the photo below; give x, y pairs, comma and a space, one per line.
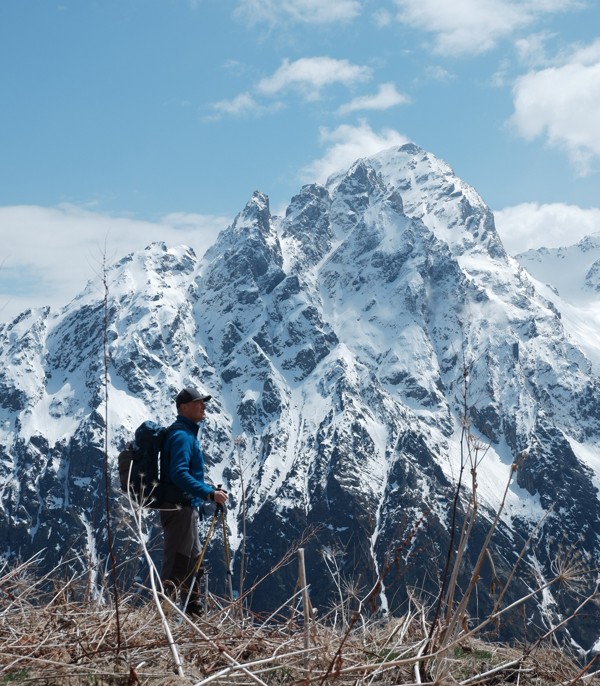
347, 346
570, 276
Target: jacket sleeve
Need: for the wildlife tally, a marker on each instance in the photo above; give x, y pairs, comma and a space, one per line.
181, 446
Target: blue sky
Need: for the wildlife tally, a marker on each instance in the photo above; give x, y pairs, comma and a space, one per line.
129, 121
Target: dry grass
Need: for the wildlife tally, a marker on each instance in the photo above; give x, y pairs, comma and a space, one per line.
48, 638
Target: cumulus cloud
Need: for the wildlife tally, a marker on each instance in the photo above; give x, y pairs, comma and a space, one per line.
387, 96
561, 103
552, 225
466, 27
275, 12
345, 145
309, 75
50, 253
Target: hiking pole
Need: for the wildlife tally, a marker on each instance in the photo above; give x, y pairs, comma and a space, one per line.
196, 572
226, 546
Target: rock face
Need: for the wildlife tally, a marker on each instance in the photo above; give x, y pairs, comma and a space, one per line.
348, 346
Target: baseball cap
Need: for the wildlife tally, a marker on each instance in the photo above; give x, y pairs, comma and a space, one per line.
191, 395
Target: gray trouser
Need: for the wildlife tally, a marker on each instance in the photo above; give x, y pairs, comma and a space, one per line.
181, 543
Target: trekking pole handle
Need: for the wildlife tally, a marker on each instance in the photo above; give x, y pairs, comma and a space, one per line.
220, 506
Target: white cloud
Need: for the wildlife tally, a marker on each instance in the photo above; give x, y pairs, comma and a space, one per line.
552, 225
387, 96
275, 12
241, 106
382, 18
561, 103
49, 254
439, 73
346, 144
532, 50
309, 75
474, 26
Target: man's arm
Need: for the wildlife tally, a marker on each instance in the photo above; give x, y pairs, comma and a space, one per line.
181, 445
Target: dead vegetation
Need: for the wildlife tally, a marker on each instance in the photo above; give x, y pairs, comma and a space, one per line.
53, 637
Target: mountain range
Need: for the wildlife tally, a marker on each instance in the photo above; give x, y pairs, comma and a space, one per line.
368, 353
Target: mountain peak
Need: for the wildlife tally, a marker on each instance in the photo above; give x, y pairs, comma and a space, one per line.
255, 214
348, 345
431, 192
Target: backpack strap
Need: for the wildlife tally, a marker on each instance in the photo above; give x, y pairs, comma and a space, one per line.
170, 492
177, 425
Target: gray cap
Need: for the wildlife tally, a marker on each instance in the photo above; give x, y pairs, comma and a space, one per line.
191, 395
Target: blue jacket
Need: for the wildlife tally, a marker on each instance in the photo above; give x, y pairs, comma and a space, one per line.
185, 461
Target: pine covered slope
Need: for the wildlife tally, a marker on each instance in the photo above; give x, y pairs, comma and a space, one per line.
342, 343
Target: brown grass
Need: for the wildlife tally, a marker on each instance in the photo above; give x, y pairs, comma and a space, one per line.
48, 638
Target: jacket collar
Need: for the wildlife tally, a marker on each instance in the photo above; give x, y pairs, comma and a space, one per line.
188, 423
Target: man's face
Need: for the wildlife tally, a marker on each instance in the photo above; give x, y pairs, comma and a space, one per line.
194, 410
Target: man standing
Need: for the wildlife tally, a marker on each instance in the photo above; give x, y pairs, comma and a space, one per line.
183, 468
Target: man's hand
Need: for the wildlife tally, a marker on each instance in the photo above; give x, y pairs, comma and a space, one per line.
220, 496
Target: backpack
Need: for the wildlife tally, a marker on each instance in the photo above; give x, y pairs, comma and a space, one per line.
140, 465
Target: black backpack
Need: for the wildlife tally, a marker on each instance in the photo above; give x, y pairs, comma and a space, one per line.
140, 464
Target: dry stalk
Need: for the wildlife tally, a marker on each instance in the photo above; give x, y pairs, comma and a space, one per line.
68, 643
137, 513
62, 642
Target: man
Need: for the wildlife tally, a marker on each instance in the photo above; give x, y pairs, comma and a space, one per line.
183, 468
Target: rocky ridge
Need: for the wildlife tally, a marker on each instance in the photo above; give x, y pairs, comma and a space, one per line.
344, 343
